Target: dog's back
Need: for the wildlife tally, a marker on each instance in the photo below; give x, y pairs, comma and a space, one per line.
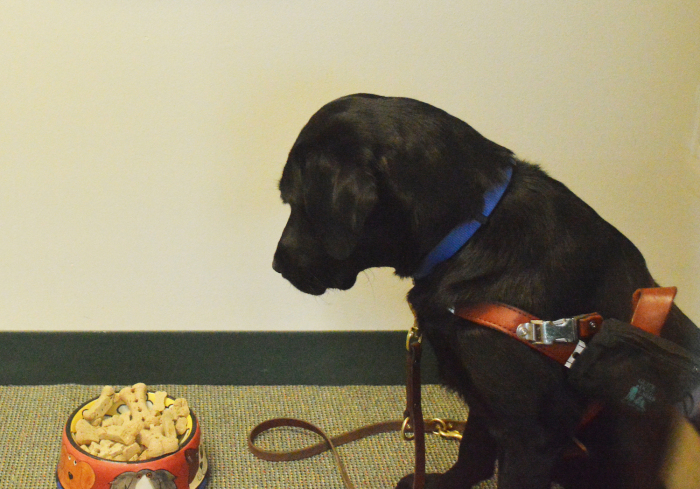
547, 252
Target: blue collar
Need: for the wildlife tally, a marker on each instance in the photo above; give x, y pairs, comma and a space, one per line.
459, 236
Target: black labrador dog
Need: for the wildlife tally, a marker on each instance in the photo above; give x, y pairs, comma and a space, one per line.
380, 182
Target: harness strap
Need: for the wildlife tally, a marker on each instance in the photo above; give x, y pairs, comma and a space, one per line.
651, 308
508, 319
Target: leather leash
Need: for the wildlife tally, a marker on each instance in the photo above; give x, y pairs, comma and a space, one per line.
327, 444
413, 415
412, 428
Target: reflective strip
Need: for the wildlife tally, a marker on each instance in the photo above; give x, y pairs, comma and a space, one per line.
579, 348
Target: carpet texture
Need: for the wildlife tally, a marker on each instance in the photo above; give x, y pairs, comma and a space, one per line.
32, 417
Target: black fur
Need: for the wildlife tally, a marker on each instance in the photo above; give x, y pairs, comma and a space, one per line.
375, 181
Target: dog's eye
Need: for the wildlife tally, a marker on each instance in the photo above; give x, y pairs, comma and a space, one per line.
300, 220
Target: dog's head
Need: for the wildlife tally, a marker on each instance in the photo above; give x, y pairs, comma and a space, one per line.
374, 181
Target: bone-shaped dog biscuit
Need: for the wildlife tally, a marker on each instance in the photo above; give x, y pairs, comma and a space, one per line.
181, 426
156, 443
113, 451
139, 434
135, 397
116, 420
124, 434
159, 401
87, 433
178, 411
120, 453
100, 449
94, 449
148, 434
131, 452
167, 422
101, 405
181, 411
180, 407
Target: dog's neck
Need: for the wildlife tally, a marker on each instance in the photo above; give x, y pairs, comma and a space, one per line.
458, 237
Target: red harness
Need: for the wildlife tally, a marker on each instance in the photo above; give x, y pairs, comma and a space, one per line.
563, 339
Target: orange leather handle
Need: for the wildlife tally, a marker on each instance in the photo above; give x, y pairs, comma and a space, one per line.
651, 308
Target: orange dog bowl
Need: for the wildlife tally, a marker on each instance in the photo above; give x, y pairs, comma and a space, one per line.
187, 468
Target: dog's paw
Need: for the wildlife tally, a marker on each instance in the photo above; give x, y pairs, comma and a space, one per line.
432, 481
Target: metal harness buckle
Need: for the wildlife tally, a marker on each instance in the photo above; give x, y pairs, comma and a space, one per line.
549, 332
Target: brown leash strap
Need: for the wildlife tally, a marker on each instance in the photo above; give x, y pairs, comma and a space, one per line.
445, 428
413, 427
414, 412
327, 444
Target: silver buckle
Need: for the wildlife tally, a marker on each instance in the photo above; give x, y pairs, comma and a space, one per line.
549, 332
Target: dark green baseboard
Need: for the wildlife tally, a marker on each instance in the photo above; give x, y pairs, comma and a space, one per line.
213, 358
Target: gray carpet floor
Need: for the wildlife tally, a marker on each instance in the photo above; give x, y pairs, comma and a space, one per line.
32, 417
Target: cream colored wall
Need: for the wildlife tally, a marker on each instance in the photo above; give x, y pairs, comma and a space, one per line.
141, 141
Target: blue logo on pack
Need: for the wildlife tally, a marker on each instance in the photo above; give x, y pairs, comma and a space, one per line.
641, 395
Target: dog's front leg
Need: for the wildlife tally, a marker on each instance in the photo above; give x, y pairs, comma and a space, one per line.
475, 463
526, 460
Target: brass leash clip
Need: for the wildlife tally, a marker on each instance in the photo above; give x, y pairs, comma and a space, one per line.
445, 430
414, 335
407, 430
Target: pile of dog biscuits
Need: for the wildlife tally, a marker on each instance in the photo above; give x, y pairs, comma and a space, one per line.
141, 433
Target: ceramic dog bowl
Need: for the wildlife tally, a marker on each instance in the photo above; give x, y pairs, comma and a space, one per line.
184, 469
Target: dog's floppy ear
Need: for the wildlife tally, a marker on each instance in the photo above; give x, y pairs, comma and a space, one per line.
338, 197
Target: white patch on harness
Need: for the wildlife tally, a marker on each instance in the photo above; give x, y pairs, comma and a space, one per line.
577, 351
